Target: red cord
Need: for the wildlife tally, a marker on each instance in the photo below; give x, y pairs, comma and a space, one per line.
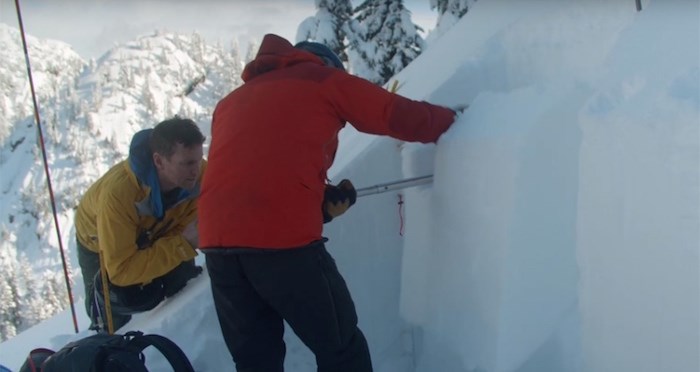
40, 133
401, 214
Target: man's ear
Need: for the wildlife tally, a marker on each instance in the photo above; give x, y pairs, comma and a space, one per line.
158, 160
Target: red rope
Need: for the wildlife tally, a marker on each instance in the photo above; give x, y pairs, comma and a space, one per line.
46, 166
401, 215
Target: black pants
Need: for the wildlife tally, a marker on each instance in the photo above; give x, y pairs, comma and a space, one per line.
89, 262
133, 299
255, 291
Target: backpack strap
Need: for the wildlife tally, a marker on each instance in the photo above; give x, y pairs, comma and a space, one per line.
35, 360
175, 356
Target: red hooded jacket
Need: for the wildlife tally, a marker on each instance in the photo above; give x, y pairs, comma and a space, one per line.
274, 138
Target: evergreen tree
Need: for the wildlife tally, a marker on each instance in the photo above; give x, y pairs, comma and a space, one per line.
449, 13
31, 303
97, 94
10, 317
455, 7
126, 76
385, 40
197, 48
253, 46
329, 26
8, 311
232, 67
148, 98
54, 296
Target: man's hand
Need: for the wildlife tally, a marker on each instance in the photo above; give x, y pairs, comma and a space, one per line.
338, 199
191, 234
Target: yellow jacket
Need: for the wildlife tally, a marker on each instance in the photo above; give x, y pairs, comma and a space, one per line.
114, 217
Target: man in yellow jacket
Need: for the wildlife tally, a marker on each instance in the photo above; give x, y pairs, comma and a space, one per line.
142, 217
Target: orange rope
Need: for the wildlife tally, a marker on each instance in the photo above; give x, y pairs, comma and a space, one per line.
105, 294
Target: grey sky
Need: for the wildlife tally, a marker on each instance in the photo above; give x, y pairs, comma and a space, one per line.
94, 26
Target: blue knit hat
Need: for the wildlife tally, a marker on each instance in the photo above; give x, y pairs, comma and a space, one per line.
322, 51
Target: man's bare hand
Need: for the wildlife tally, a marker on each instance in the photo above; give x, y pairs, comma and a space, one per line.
191, 234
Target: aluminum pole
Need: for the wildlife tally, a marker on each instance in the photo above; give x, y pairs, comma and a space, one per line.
396, 185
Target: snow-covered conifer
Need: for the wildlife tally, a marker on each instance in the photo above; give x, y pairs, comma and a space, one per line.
253, 46
449, 13
10, 317
148, 98
384, 41
329, 26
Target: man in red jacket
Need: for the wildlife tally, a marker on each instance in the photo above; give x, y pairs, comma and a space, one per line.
264, 201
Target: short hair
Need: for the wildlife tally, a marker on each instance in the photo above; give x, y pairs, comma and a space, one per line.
167, 134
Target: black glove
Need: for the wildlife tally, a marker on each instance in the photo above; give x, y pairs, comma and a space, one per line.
347, 187
175, 280
337, 199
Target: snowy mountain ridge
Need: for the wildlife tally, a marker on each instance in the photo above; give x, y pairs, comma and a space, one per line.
89, 111
54, 64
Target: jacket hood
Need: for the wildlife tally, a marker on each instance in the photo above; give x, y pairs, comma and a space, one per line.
276, 52
141, 163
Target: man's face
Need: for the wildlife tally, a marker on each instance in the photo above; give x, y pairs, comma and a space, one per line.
181, 169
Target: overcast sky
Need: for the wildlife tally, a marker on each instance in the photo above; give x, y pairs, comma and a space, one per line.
94, 26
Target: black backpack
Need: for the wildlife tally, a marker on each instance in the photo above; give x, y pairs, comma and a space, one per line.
106, 353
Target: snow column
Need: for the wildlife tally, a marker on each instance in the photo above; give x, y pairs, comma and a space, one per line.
638, 223
496, 276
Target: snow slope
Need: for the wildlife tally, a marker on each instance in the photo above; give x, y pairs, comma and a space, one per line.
561, 231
